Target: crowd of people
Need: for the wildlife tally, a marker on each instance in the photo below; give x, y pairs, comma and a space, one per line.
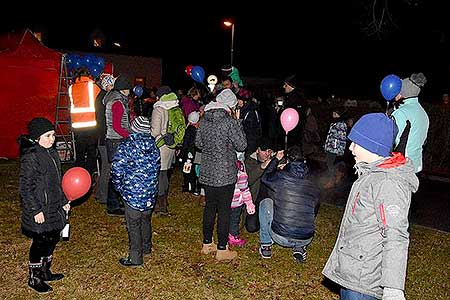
229, 162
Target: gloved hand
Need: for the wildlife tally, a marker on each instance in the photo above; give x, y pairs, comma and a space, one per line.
393, 294
169, 139
251, 208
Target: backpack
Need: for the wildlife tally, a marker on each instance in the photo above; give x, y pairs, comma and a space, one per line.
175, 129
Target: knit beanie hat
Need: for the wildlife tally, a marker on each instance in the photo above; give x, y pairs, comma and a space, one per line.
39, 126
411, 86
193, 117
163, 90
140, 125
292, 81
227, 98
374, 132
122, 82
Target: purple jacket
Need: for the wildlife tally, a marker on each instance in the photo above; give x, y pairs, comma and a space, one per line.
189, 105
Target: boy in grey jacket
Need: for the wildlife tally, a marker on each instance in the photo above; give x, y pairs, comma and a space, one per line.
370, 256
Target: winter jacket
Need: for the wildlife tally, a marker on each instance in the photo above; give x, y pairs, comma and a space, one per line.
412, 110
371, 250
134, 171
109, 100
188, 105
251, 122
295, 199
296, 100
336, 138
40, 190
159, 126
219, 136
241, 193
189, 143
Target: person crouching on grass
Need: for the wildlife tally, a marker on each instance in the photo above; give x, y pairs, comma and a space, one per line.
370, 256
44, 205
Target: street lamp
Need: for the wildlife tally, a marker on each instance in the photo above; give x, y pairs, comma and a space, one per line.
228, 24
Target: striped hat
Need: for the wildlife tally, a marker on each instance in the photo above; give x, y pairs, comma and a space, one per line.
108, 80
140, 125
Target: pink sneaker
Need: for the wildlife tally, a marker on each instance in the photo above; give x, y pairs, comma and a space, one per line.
236, 241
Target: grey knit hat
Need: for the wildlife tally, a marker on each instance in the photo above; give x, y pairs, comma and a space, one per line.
227, 97
411, 86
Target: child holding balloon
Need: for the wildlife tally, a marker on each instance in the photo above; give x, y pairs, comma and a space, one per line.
44, 205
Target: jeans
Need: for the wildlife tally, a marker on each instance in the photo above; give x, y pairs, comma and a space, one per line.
352, 295
218, 201
139, 227
267, 236
235, 220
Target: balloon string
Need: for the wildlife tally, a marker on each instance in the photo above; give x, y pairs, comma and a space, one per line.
285, 142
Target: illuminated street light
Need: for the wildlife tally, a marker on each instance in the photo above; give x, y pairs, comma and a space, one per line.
231, 24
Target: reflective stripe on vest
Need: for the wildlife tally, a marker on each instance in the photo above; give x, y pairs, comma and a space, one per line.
82, 102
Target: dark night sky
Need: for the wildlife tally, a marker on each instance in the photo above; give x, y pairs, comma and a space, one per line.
318, 41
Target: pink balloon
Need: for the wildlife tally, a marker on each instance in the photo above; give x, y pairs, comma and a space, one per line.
289, 119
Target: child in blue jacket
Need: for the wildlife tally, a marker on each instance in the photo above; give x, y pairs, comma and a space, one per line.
134, 173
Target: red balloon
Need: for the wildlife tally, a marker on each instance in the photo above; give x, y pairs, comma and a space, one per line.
188, 70
76, 182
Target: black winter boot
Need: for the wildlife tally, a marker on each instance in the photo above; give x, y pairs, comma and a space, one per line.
46, 265
36, 280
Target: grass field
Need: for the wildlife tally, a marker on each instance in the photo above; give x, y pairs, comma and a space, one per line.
176, 270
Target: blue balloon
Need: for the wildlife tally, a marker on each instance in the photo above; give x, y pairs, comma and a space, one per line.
198, 74
76, 61
138, 90
390, 87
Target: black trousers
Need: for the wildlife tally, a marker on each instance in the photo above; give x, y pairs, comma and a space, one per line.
43, 244
86, 149
218, 201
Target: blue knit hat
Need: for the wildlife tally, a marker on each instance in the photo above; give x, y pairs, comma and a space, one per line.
374, 132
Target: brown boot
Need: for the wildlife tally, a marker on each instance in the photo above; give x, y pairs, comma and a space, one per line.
202, 201
226, 254
209, 248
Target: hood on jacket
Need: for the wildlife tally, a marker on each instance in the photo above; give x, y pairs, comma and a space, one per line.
215, 114
397, 165
298, 169
143, 142
167, 101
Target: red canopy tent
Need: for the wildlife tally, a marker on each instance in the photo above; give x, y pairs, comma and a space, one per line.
29, 74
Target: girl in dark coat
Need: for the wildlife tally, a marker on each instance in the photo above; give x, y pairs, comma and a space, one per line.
44, 206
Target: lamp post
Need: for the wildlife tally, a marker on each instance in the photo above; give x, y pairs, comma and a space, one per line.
231, 24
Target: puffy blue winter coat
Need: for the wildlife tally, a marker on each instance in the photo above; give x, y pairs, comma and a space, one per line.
134, 171
295, 199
